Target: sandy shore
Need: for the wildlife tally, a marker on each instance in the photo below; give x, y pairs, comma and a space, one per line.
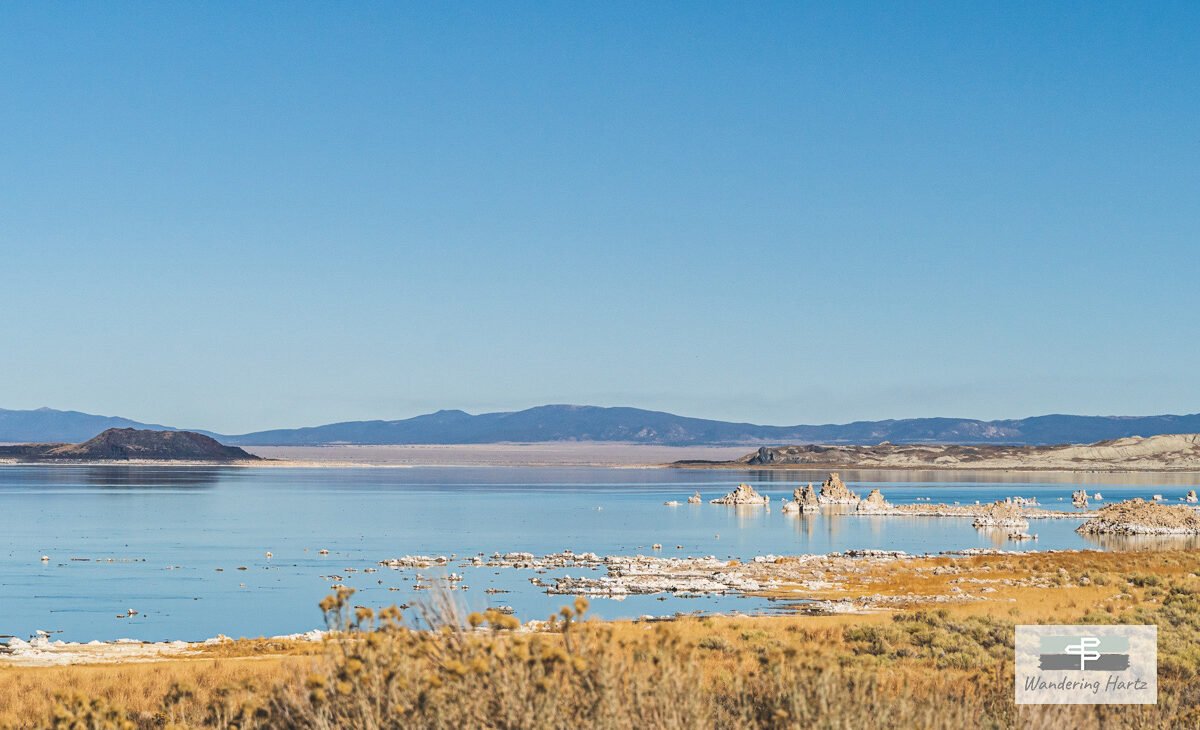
571, 453
1163, 453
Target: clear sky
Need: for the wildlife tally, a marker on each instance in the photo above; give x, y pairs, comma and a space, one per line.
247, 215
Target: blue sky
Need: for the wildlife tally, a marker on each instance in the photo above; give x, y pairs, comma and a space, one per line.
240, 216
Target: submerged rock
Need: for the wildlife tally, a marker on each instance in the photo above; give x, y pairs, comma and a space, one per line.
414, 561
1139, 517
645, 575
835, 491
743, 494
872, 553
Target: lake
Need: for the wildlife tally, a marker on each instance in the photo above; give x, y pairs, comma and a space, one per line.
168, 542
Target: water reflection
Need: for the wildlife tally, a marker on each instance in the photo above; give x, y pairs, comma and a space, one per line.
750, 514
997, 536
140, 476
803, 523
1144, 542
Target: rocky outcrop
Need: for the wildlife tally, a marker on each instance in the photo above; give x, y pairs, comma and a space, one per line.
807, 499
762, 456
695, 499
874, 502
1002, 513
1079, 498
835, 491
743, 494
1139, 517
804, 499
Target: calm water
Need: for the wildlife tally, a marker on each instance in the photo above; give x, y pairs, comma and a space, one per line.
168, 530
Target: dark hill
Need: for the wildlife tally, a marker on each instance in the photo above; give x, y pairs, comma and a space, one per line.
126, 444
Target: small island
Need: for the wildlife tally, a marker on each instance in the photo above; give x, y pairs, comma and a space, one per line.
131, 445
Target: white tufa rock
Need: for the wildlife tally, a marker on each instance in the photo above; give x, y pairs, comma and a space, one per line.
743, 494
835, 491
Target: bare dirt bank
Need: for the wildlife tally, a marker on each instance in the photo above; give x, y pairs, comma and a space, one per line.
1175, 452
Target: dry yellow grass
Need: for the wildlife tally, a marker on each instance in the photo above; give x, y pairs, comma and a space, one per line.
936, 666
27, 694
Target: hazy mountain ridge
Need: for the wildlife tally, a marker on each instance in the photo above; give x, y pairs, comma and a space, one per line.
635, 425
49, 425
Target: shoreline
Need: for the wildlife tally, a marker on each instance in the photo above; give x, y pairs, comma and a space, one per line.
939, 467
42, 652
783, 469
848, 586
1152, 456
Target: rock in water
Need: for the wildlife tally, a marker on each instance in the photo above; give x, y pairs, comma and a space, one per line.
1139, 517
807, 499
695, 499
744, 494
874, 502
1079, 498
835, 491
1191, 496
1001, 514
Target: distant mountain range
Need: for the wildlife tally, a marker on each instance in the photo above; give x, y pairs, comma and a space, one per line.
46, 425
593, 423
